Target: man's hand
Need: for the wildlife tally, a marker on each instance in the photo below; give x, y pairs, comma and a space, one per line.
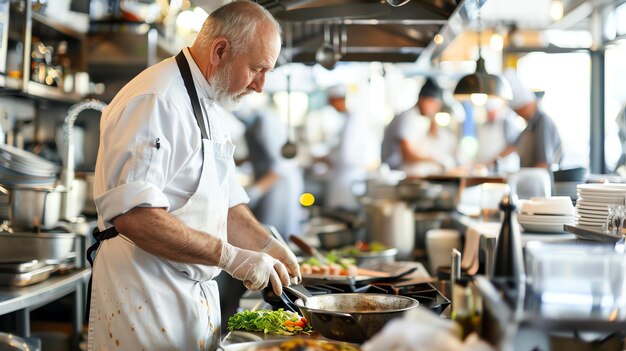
255, 269
276, 249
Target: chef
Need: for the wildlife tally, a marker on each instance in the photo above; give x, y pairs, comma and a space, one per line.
495, 134
278, 182
170, 212
414, 142
539, 144
349, 158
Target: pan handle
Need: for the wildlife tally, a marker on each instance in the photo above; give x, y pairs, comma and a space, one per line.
288, 303
300, 291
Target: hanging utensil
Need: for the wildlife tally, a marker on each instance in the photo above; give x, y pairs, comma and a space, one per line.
326, 55
289, 149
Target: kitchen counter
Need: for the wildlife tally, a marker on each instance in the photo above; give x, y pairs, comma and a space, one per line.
24, 299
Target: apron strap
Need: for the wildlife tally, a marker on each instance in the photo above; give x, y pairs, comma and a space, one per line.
185, 72
99, 236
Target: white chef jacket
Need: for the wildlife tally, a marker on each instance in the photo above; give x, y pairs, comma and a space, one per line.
157, 111
493, 137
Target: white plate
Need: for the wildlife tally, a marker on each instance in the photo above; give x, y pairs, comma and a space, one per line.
601, 199
593, 207
580, 209
590, 221
600, 187
556, 205
543, 228
530, 219
569, 221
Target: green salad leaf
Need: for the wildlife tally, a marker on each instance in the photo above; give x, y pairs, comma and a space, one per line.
279, 322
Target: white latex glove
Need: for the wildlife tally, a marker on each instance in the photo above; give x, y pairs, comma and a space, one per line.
255, 269
418, 330
276, 249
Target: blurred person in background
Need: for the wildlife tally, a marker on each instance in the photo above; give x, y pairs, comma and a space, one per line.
539, 144
278, 182
414, 142
348, 159
496, 134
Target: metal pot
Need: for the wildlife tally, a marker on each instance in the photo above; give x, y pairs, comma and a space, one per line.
34, 208
392, 223
353, 317
45, 247
10, 342
370, 257
89, 207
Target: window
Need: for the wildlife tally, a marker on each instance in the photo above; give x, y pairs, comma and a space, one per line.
565, 79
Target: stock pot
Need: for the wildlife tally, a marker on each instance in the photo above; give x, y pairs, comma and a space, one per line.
34, 208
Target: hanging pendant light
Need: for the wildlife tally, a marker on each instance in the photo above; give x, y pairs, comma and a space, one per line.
481, 85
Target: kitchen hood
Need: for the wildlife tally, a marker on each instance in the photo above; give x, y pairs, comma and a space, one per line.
359, 30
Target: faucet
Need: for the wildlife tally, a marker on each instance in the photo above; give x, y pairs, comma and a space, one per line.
67, 174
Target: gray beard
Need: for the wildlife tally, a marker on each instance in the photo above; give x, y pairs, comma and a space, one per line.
219, 83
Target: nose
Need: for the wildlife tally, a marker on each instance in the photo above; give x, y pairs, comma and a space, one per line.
258, 82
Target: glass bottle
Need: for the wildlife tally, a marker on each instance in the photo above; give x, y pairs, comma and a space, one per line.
466, 307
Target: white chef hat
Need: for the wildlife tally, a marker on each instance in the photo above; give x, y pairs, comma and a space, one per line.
521, 95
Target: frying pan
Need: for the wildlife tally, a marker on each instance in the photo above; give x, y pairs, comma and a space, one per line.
352, 317
255, 345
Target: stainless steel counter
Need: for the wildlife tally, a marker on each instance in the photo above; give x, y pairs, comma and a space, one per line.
24, 299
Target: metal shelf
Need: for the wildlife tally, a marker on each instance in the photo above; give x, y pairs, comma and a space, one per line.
39, 90
58, 26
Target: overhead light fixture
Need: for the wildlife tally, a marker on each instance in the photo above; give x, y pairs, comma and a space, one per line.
556, 10
481, 85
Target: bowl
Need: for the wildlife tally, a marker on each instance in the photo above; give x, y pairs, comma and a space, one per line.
366, 257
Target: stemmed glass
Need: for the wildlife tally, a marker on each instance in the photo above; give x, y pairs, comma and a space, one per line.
618, 219
608, 225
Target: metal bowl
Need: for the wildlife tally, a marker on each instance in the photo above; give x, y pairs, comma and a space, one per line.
353, 317
10, 342
365, 257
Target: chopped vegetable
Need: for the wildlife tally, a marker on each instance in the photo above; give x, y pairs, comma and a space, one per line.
279, 322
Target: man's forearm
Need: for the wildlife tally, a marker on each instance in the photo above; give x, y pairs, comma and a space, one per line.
244, 230
159, 233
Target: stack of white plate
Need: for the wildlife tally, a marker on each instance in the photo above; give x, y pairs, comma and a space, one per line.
594, 200
22, 168
546, 214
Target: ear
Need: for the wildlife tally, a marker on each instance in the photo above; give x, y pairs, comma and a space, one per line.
218, 50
